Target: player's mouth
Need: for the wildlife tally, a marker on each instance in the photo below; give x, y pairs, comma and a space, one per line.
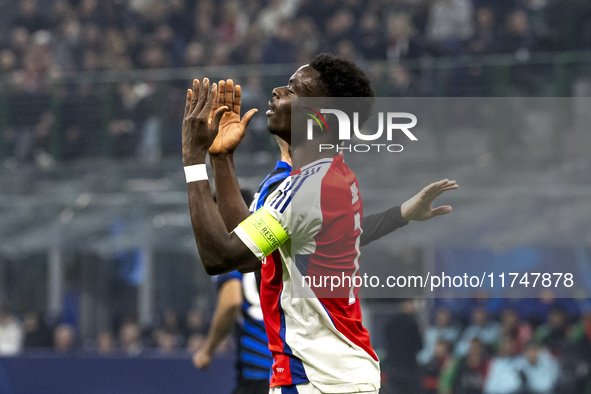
271, 111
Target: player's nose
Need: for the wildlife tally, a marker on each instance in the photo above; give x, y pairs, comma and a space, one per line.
278, 91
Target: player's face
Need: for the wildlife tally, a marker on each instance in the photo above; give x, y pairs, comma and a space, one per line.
301, 84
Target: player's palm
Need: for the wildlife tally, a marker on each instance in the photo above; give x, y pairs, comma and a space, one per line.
230, 134
232, 129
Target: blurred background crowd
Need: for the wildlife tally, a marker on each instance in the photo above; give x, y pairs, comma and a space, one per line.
64, 36
490, 346
60, 106
467, 346
172, 333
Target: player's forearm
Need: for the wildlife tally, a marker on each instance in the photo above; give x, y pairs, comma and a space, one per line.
224, 317
229, 198
380, 224
220, 251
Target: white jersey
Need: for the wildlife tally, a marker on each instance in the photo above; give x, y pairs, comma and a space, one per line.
313, 222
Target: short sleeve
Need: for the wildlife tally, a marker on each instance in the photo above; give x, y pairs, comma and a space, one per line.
220, 280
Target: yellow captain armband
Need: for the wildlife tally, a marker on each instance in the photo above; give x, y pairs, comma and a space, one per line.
264, 230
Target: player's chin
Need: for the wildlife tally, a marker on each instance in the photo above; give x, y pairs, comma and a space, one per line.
280, 129
274, 125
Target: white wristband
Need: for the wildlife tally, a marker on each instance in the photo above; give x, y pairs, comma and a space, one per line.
196, 173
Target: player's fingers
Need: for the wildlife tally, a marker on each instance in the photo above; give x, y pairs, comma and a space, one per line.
195, 95
209, 99
215, 106
247, 118
218, 116
442, 182
203, 94
443, 190
441, 185
216, 103
229, 93
222, 93
237, 99
430, 190
442, 210
188, 102
451, 187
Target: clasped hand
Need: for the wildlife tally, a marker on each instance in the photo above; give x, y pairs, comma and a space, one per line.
212, 120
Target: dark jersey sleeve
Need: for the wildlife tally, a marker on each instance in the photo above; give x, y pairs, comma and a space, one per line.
380, 224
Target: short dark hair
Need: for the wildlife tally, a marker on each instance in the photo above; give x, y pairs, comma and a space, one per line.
340, 77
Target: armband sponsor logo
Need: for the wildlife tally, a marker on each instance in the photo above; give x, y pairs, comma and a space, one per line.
266, 232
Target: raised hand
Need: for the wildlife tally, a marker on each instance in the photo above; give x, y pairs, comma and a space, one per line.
232, 129
420, 206
200, 125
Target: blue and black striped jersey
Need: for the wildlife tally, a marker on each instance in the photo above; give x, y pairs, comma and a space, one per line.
254, 360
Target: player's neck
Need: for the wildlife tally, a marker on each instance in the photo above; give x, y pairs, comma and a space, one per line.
305, 154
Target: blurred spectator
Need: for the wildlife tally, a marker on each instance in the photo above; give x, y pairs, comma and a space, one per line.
171, 325
370, 40
11, 333
554, 334
338, 28
63, 338
130, 339
166, 341
512, 326
19, 41
516, 36
575, 361
402, 42
432, 370
481, 327
29, 16
8, 61
234, 24
346, 49
403, 343
540, 370
467, 374
105, 343
401, 83
195, 323
37, 334
504, 373
483, 39
281, 48
60, 10
82, 123
132, 111
194, 54
195, 342
272, 17
66, 45
449, 25
29, 124
442, 330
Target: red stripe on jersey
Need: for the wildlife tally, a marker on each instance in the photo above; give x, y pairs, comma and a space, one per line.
336, 252
271, 288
